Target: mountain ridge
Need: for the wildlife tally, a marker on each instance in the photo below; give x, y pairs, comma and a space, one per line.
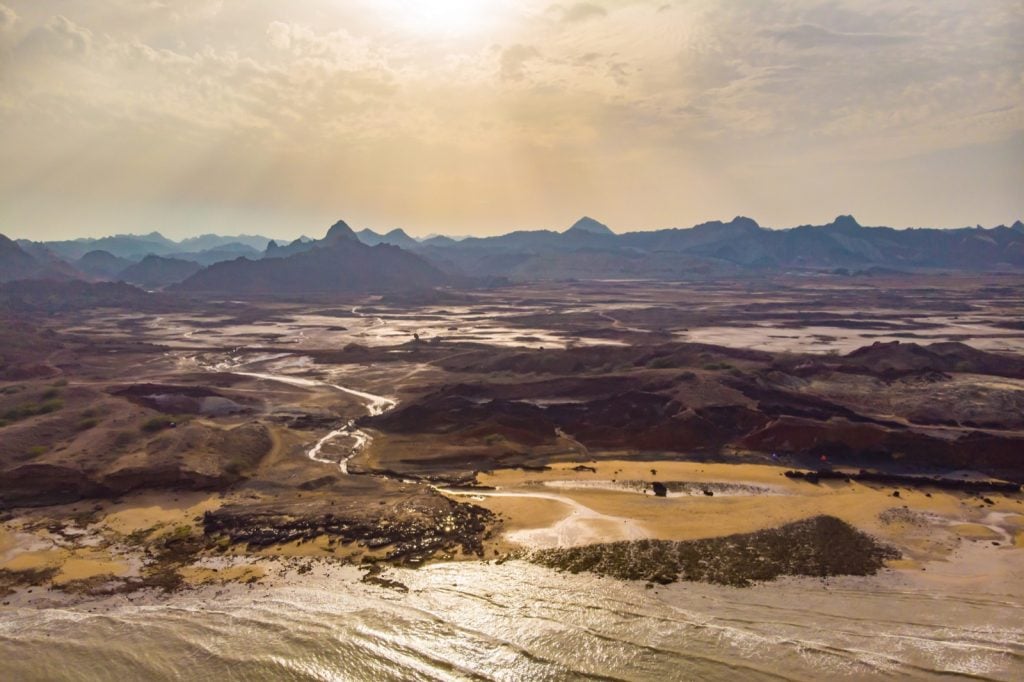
729, 247
339, 262
589, 248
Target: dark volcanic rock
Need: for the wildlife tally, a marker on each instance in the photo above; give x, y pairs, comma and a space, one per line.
904, 450
413, 533
641, 420
895, 359
970, 486
821, 546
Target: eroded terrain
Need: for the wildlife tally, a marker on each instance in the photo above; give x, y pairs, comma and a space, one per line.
194, 441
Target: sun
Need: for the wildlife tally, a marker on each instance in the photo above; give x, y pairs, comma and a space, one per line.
448, 17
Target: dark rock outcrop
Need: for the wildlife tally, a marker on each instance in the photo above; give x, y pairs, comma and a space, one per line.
818, 547
429, 524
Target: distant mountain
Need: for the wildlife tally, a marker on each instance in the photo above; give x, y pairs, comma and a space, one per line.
438, 240
589, 249
136, 247
339, 262
129, 246
155, 272
586, 250
300, 245
589, 226
58, 267
102, 265
17, 263
212, 242
396, 237
229, 251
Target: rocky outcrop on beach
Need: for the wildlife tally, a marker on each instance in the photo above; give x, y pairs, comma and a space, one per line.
822, 546
410, 533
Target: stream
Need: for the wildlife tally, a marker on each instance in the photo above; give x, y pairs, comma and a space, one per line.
375, 405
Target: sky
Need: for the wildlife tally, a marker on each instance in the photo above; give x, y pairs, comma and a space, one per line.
484, 116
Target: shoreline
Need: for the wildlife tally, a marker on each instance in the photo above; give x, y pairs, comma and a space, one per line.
942, 533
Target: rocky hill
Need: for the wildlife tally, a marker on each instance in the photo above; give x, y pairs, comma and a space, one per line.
337, 263
102, 265
154, 272
17, 263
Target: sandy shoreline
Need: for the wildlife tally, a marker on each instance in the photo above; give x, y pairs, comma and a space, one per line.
319, 613
957, 538
925, 524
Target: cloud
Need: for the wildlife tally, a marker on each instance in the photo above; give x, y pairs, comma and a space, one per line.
332, 49
60, 37
280, 35
582, 11
513, 60
69, 36
806, 36
8, 18
272, 103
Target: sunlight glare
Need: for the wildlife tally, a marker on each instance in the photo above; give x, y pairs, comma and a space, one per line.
447, 17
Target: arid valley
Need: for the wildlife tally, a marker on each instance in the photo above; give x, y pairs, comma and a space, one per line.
511, 340
728, 434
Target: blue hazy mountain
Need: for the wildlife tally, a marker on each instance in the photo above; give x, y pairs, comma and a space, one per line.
338, 262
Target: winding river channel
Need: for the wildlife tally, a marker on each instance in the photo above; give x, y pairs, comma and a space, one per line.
375, 405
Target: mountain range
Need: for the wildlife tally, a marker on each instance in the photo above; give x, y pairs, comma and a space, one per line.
149, 260
367, 260
589, 249
136, 247
338, 262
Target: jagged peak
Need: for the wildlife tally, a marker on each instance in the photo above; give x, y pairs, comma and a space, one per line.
398, 232
340, 232
589, 226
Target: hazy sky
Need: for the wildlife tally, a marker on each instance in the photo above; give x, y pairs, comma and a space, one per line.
458, 116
